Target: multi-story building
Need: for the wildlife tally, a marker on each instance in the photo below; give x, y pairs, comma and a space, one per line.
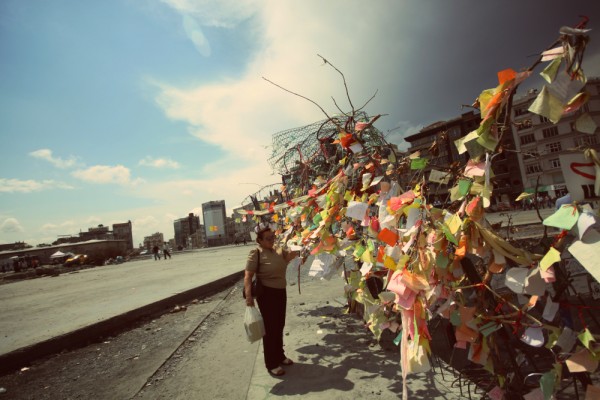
197, 239
215, 227
243, 225
123, 231
184, 227
539, 142
156, 239
441, 156
99, 232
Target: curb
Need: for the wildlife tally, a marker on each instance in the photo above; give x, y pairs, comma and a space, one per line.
16, 359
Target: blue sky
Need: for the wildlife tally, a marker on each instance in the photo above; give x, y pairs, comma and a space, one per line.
142, 110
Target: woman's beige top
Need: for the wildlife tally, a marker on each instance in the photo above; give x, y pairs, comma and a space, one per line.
272, 266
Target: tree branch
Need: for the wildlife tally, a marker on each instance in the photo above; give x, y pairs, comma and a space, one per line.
344, 79
299, 95
368, 101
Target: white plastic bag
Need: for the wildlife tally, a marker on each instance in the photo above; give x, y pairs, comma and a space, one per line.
254, 324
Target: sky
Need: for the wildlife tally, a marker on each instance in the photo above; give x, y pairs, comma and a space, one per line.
142, 110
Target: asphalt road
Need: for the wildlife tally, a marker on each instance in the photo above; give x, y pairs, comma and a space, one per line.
34, 311
519, 217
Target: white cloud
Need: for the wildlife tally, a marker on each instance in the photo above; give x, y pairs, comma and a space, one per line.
105, 174
187, 195
159, 163
11, 225
30, 185
194, 32
240, 116
215, 13
210, 13
46, 154
64, 228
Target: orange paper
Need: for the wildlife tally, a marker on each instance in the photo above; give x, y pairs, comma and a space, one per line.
388, 237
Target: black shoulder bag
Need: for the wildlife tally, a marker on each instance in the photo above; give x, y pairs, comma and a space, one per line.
256, 287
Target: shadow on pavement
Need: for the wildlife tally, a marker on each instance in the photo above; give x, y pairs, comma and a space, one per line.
349, 358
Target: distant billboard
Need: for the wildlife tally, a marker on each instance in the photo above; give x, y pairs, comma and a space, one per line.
214, 223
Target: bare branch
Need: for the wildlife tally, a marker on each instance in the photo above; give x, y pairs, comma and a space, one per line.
344, 79
299, 95
368, 101
338, 107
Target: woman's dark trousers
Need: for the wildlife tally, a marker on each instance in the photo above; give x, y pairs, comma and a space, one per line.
272, 304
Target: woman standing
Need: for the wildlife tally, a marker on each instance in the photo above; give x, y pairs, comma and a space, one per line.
272, 302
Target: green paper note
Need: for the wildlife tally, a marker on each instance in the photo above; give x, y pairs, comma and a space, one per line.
463, 186
474, 148
398, 338
359, 250
549, 73
460, 142
418, 163
441, 260
317, 218
585, 338
454, 194
547, 384
547, 105
449, 235
488, 140
550, 258
455, 318
489, 328
564, 218
484, 99
371, 246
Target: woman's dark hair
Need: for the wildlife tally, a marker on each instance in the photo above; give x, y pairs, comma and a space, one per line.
261, 233
260, 230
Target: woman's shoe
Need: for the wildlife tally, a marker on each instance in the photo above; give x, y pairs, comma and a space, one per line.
287, 361
277, 371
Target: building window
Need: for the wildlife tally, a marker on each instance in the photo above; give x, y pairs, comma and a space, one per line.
554, 163
532, 168
543, 119
553, 147
586, 140
572, 125
530, 138
549, 132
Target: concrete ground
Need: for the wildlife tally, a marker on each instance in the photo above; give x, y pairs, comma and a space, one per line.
337, 357
42, 315
203, 353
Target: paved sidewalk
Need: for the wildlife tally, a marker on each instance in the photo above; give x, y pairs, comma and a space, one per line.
336, 357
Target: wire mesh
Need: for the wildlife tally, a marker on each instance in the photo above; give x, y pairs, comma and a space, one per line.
309, 143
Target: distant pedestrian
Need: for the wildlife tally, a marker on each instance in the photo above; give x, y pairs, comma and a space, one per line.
166, 251
156, 253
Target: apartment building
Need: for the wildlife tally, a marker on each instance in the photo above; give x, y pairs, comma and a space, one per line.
540, 143
156, 239
184, 228
441, 156
123, 231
